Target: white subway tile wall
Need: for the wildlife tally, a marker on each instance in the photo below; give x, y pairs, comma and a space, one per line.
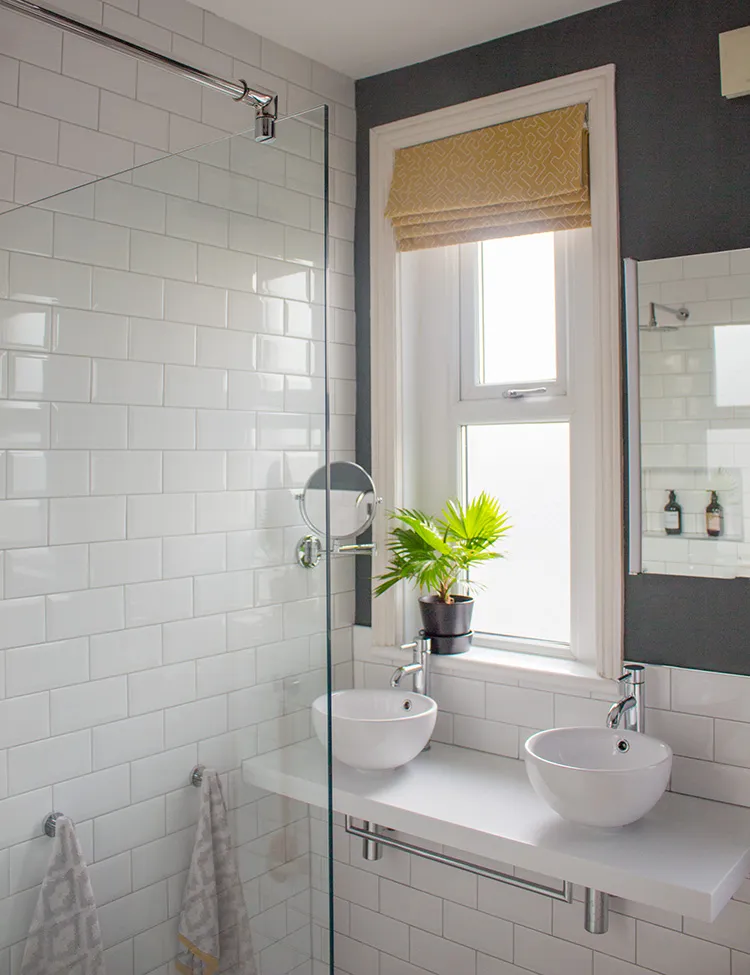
407, 916
149, 448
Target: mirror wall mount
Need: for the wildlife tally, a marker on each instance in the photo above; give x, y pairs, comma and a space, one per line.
633, 433
348, 508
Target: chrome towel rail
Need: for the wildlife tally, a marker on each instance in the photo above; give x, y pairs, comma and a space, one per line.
373, 838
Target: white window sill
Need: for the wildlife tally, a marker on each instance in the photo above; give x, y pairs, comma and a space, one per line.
496, 666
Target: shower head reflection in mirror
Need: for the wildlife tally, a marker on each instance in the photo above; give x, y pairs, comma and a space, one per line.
693, 400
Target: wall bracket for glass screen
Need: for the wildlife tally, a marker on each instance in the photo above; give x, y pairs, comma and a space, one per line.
342, 513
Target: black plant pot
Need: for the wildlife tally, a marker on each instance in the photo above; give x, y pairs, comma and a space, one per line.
447, 624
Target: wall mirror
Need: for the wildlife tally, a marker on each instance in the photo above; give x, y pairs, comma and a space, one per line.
688, 323
353, 506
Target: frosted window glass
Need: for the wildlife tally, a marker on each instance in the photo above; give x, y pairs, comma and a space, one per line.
526, 466
732, 354
517, 335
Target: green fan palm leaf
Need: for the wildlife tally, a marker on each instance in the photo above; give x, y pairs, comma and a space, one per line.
435, 553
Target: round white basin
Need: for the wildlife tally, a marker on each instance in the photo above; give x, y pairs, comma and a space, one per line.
598, 776
373, 729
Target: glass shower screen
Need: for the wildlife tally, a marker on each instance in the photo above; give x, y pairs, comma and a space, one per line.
162, 400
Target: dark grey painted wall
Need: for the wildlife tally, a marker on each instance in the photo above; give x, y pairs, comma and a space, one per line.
684, 163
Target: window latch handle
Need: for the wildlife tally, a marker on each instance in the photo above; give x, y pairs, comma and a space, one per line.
520, 393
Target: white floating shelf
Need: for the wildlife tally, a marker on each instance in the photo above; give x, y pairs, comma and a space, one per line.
688, 855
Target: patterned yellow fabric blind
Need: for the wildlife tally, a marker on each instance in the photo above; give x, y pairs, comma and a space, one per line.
522, 177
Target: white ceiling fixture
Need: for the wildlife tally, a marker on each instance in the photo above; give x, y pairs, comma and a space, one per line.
363, 38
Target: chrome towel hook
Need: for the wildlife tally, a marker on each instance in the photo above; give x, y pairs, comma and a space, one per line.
196, 776
50, 823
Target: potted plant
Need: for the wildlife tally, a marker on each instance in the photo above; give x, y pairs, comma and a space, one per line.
436, 554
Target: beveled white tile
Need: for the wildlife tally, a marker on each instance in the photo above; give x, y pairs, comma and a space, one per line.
225, 511
125, 472
713, 694
194, 470
102, 68
82, 613
116, 563
186, 386
85, 705
196, 720
225, 349
225, 672
93, 795
24, 425
256, 391
37, 571
254, 469
282, 279
158, 602
128, 740
28, 230
130, 206
160, 515
192, 555
253, 627
126, 293
254, 549
165, 772
24, 325
252, 235
23, 523
49, 377
190, 639
91, 241
160, 428
256, 313
225, 430
223, 268
46, 665
196, 304
157, 341
223, 592
50, 281
45, 762
86, 519
24, 719
90, 333
164, 687
238, 194
125, 651
197, 222
88, 427
283, 431
137, 383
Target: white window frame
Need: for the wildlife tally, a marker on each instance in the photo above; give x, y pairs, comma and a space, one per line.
470, 300
602, 653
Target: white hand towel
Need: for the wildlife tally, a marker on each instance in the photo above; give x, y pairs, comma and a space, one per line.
214, 930
64, 937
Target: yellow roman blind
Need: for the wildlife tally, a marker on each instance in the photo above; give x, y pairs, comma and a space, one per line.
522, 177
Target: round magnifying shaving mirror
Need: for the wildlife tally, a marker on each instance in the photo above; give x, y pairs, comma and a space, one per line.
353, 507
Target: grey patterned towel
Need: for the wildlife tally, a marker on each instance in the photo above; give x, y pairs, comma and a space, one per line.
214, 931
64, 937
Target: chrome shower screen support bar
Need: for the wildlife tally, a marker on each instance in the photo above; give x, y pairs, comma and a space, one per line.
265, 102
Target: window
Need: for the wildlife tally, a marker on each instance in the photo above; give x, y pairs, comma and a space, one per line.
495, 366
510, 336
